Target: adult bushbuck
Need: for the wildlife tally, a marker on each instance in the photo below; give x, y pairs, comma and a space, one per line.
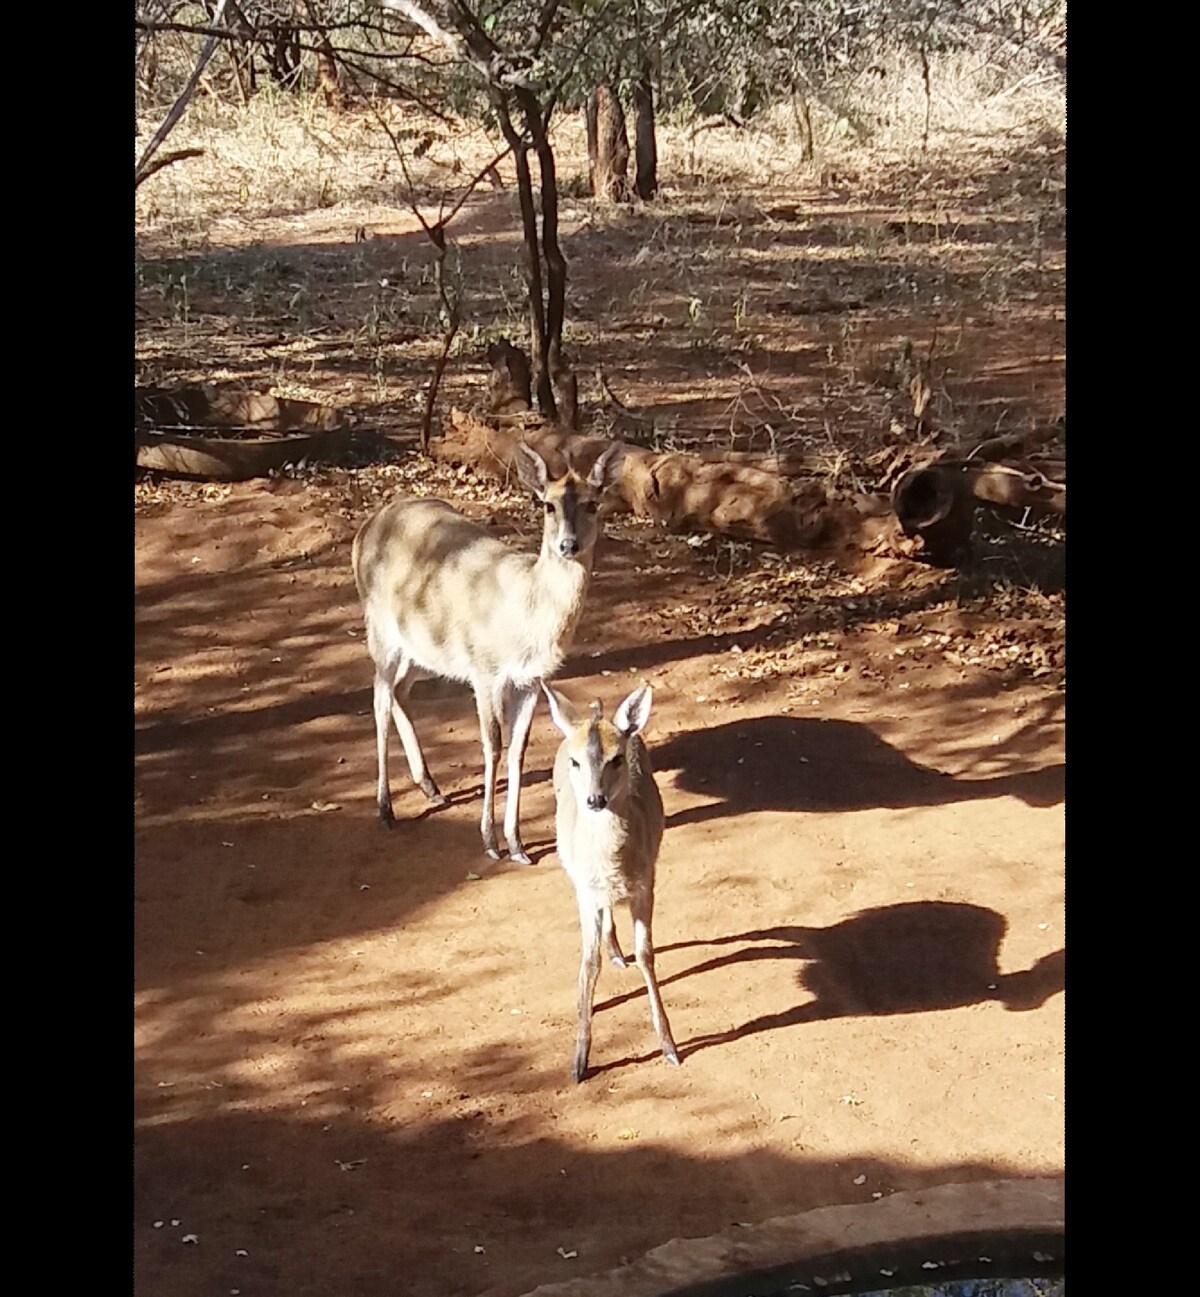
609, 823
444, 597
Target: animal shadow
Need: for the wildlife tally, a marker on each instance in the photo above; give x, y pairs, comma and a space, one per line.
786, 763
894, 959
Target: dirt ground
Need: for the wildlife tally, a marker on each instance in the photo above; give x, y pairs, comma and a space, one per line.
353, 1045
353, 1053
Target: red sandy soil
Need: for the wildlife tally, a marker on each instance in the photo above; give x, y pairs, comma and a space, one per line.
353, 1054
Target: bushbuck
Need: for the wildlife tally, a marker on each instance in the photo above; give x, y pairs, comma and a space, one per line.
609, 824
443, 597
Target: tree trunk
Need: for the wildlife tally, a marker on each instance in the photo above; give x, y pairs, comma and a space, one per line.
612, 148
328, 83
284, 56
645, 143
562, 380
589, 123
539, 338
803, 119
241, 54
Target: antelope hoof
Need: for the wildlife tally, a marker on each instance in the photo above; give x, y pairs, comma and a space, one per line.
579, 1070
670, 1055
386, 818
518, 853
434, 793
618, 960
491, 853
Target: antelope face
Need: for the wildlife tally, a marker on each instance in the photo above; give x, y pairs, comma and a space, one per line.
597, 749
571, 502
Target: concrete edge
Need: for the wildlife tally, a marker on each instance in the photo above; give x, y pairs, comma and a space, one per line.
982, 1206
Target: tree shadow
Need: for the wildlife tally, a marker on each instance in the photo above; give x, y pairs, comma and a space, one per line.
915, 957
452, 1206
795, 763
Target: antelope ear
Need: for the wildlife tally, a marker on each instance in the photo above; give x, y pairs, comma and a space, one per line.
531, 469
562, 711
606, 471
634, 712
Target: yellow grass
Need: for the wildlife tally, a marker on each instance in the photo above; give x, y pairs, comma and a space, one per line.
287, 153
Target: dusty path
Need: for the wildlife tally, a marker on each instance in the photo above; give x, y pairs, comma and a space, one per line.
353, 1059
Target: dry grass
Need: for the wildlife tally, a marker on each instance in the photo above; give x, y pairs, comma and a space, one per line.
763, 303
286, 153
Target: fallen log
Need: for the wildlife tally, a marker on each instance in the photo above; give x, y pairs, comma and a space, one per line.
937, 502
930, 512
681, 492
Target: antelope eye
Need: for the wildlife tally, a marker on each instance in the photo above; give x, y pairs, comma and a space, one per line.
574, 764
549, 508
590, 506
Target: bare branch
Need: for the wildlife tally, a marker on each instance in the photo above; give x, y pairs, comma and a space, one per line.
473, 184
545, 19
395, 87
426, 22
166, 160
140, 172
152, 25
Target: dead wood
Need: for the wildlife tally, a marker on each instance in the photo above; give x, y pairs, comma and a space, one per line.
937, 502
681, 492
144, 170
510, 382
782, 499
1013, 443
166, 160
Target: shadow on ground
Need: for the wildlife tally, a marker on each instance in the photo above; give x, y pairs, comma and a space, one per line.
916, 957
372, 1206
795, 763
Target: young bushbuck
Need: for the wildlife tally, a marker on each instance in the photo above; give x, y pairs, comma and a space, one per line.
444, 597
609, 822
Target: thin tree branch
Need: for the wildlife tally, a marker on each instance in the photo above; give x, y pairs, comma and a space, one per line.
429, 25
401, 92
167, 159
140, 173
152, 25
545, 19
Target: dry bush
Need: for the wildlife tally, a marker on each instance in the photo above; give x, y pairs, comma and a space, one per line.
876, 116
972, 98
286, 153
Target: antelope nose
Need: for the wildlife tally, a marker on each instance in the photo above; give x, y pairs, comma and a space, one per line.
568, 547
597, 801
